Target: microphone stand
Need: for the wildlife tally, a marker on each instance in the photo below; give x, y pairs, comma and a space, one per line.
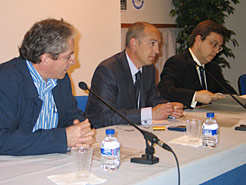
148, 157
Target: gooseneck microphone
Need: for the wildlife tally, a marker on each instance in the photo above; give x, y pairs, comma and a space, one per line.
240, 103
147, 135
148, 157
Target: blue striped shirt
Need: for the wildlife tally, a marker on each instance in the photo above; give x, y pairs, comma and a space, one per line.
48, 116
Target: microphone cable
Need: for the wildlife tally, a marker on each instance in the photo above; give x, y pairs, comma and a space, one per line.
149, 136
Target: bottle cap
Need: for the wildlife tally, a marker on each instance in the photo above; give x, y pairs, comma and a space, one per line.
210, 114
109, 131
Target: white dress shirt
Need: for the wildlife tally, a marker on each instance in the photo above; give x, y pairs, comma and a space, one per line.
146, 112
193, 102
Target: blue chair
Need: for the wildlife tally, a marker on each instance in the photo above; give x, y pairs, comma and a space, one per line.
242, 84
82, 100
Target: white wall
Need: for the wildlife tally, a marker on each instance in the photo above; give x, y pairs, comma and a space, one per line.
237, 23
153, 11
97, 21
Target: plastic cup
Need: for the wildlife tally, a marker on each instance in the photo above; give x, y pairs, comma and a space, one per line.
83, 161
193, 129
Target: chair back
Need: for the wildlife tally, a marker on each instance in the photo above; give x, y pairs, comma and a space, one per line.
82, 101
242, 84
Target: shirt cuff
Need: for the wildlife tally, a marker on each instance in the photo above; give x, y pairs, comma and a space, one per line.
146, 116
193, 102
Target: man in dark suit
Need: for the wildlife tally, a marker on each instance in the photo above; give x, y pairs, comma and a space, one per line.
127, 82
184, 79
38, 113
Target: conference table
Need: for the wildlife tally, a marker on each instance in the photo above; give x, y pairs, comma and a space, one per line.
198, 165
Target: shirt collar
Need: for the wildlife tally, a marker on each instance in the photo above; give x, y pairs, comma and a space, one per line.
195, 58
37, 78
133, 68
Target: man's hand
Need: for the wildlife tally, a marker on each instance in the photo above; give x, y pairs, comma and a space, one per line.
80, 134
178, 110
218, 96
162, 111
206, 97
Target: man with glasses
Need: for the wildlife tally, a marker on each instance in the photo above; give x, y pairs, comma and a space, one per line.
38, 113
127, 82
188, 77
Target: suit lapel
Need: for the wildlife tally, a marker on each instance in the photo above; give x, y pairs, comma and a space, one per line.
192, 66
30, 91
126, 76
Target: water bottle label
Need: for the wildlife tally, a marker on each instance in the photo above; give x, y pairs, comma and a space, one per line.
108, 151
209, 132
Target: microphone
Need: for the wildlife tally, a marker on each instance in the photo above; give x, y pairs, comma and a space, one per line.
147, 158
240, 103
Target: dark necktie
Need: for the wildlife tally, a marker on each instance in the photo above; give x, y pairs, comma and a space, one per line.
202, 77
137, 86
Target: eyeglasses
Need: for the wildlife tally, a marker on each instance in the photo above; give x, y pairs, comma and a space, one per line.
70, 57
215, 44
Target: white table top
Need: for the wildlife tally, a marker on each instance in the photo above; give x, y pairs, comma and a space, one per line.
197, 164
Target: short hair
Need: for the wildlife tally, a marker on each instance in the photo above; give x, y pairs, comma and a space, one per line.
47, 36
136, 30
204, 29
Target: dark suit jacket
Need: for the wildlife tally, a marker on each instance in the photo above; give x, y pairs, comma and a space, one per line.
112, 81
20, 107
180, 80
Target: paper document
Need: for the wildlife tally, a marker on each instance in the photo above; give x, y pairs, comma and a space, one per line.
229, 101
227, 104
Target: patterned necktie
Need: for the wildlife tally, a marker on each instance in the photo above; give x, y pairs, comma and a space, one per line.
202, 77
137, 87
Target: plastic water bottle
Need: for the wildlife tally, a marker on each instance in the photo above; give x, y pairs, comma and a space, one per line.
210, 131
110, 152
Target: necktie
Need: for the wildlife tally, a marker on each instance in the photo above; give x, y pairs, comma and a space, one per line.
137, 86
202, 77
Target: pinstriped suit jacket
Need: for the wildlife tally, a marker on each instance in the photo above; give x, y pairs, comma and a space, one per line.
112, 80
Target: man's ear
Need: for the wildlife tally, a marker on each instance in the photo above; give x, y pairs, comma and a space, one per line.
44, 58
133, 42
198, 38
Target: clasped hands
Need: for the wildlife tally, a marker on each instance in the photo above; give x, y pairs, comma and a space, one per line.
162, 111
80, 134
